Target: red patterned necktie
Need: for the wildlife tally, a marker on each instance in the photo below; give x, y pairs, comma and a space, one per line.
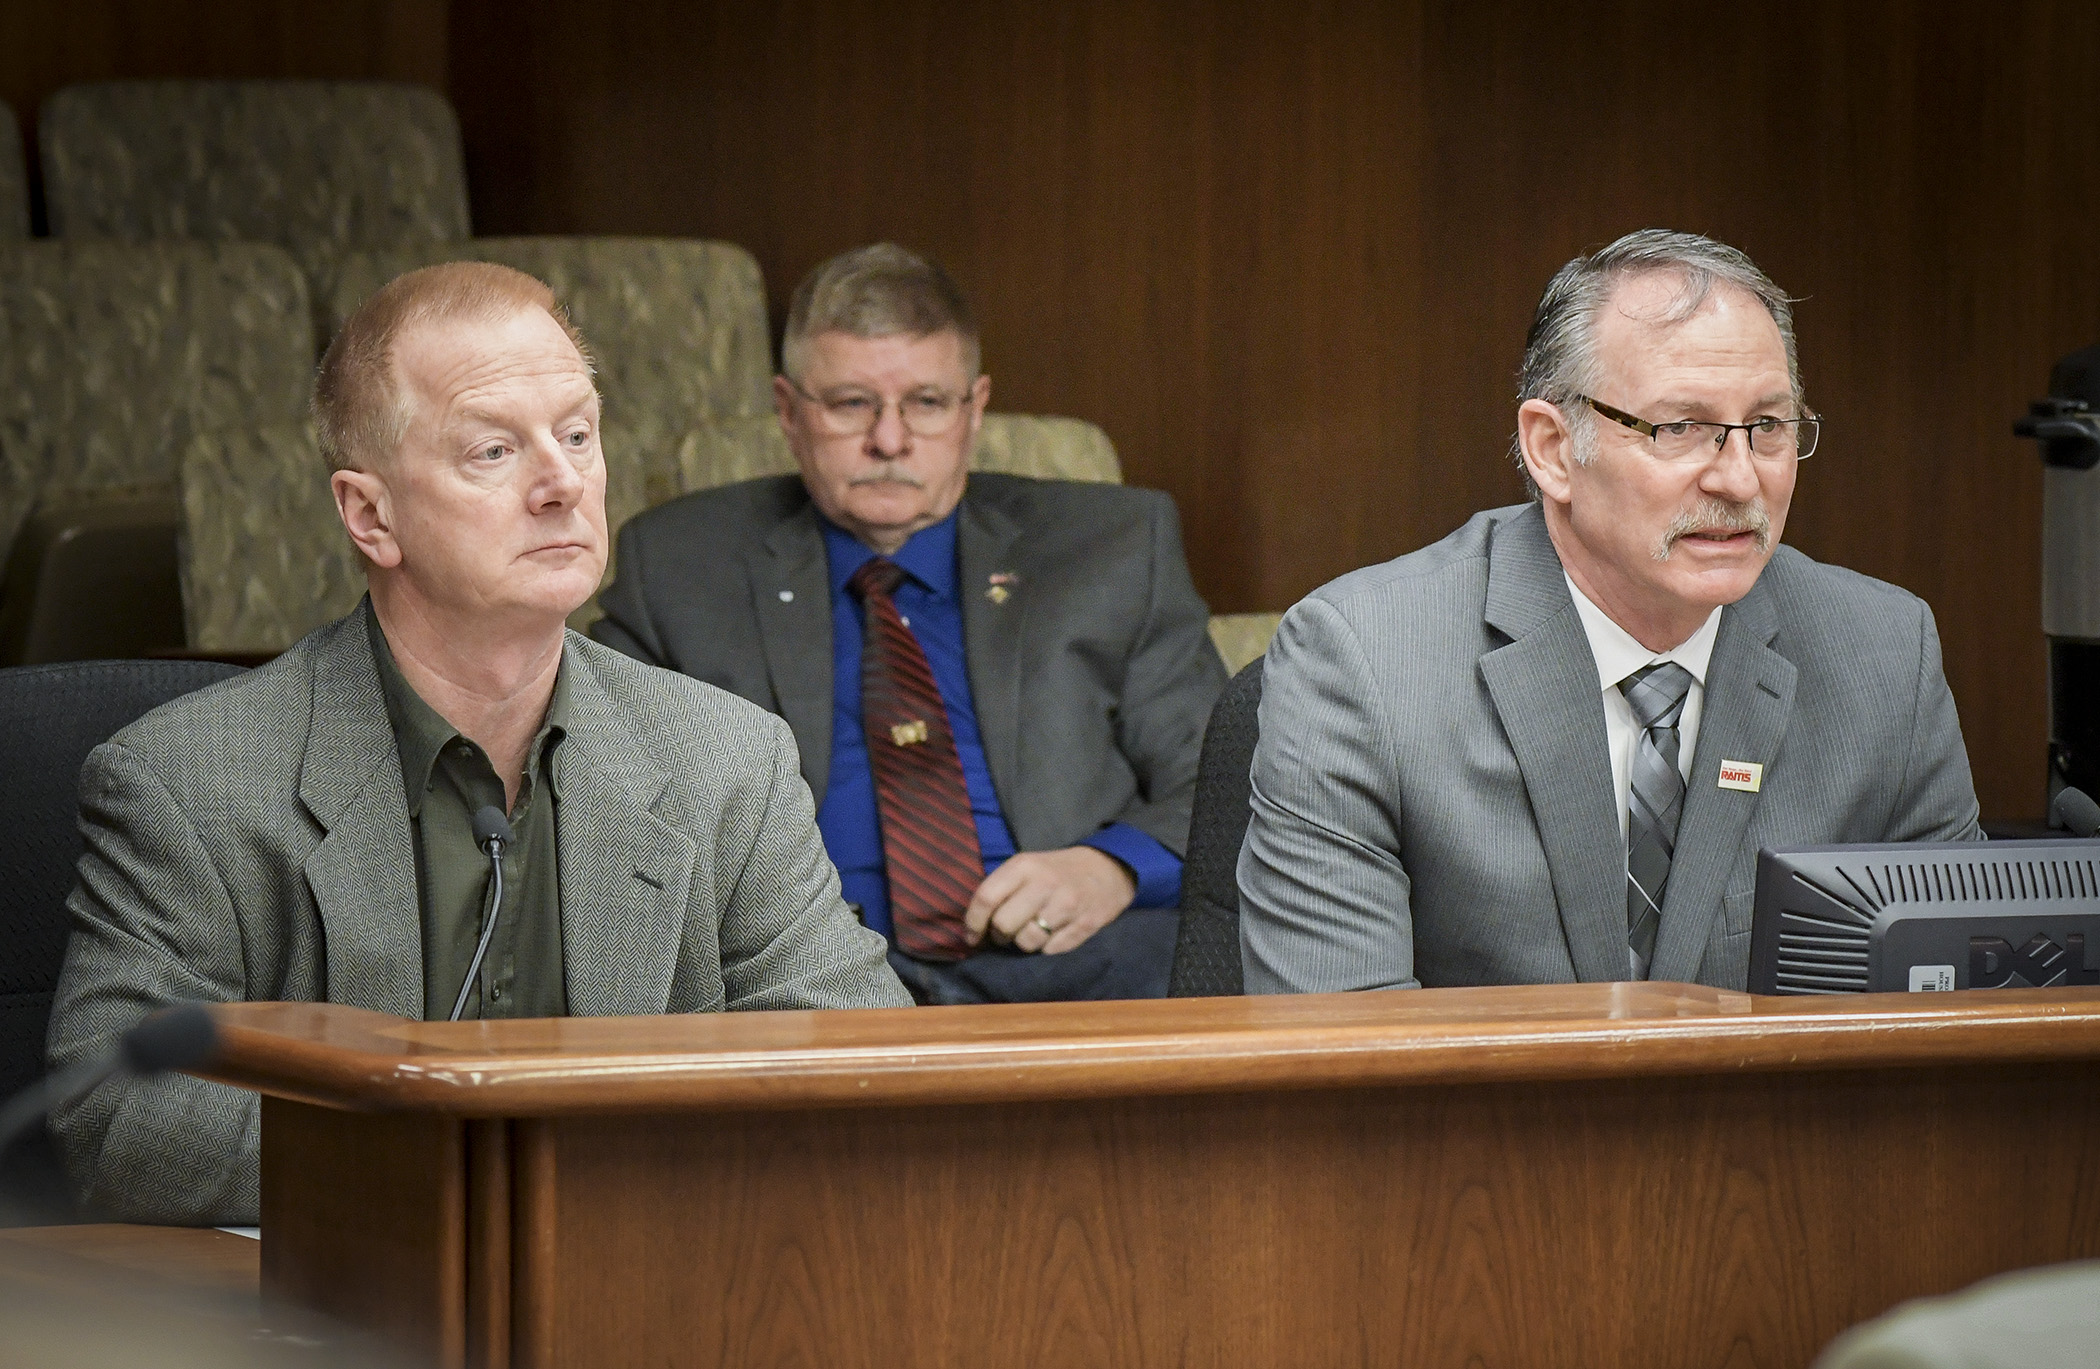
929, 838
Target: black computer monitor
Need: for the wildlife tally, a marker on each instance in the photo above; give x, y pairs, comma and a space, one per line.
1927, 916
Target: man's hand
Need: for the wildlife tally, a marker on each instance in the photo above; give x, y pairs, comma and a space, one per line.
1049, 901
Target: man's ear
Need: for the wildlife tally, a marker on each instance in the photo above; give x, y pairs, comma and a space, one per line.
362, 499
784, 405
980, 393
1548, 445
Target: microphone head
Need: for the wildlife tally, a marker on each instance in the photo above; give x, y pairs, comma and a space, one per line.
491, 826
2075, 809
176, 1038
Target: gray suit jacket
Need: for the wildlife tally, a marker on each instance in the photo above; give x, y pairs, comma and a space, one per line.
1433, 799
251, 842
1092, 679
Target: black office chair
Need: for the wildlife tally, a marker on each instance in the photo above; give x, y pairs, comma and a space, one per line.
1207, 951
51, 716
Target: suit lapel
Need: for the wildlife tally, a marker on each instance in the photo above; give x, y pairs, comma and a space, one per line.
626, 874
1544, 685
795, 634
1749, 699
992, 631
363, 874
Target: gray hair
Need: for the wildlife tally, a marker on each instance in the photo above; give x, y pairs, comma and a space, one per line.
877, 291
1560, 351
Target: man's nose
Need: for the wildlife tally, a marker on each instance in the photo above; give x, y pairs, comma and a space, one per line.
1732, 474
889, 439
556, 481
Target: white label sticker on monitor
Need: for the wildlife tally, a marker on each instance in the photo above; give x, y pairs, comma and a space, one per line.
1931, 978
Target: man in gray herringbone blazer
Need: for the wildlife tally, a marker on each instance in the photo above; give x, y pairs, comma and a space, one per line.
1549, 747
301, 832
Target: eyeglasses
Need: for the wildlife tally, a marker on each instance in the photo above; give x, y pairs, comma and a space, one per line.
1771, 439
852, 413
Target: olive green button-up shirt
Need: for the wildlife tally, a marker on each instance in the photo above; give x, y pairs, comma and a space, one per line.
447, 778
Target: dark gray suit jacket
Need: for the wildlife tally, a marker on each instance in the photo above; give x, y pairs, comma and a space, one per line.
251, 842
1433, 799
1092, 679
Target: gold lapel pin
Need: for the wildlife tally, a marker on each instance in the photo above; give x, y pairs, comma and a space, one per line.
999, 593
908, 734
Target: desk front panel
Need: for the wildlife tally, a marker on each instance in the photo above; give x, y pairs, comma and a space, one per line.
1670, 1222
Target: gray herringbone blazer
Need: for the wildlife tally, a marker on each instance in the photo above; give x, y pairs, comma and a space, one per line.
1433, 801
251, 842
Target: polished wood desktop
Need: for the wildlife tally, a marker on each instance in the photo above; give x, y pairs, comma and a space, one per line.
1631, 1174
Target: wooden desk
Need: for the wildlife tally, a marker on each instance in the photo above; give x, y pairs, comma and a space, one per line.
114, 1294
1649, 1174
170, 1259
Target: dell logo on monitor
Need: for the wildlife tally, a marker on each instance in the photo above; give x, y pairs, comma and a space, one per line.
1994, 964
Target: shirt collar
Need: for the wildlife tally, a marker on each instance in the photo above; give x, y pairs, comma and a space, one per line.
421, 732
1619, 655
927, 557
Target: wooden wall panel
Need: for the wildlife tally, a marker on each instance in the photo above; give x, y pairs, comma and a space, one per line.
1171, 215
1286, 255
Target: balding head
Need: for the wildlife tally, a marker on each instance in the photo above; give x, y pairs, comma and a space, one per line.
458, 410
361, 410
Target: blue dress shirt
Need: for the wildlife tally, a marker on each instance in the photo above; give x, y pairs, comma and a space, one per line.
848, 818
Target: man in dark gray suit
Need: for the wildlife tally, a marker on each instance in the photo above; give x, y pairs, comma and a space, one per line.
306, 831
999, 685
1549, 747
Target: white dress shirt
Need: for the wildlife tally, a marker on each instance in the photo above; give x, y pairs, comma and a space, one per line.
1619, 655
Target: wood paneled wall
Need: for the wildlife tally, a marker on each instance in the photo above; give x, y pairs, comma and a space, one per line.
1285, 255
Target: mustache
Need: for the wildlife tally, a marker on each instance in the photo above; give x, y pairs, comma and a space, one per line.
888, 477
1717, 515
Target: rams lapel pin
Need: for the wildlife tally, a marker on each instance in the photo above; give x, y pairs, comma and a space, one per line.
999, 593
1747, 776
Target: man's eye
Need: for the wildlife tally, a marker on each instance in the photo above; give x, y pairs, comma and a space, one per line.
580, 439
494, 452
1767, 426
852, 405
930, 404
1678, 429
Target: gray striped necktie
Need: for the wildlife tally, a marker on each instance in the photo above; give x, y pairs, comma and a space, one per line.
1657, 694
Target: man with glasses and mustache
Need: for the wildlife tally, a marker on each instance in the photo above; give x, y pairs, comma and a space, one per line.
999, 685
1548, 748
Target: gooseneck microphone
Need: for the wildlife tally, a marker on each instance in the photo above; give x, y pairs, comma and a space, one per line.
175, 1038
2075, 809
492, 834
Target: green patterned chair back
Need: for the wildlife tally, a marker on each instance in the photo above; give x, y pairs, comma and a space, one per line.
113, 357
677, 325
1047, 448
14, 178
317, 167
264, 556
1240, 637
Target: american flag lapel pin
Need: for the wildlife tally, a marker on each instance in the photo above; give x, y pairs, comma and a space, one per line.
1001, 580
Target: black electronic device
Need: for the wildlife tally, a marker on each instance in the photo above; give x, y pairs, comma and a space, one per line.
1926, 916
179, 1037
2067, 425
